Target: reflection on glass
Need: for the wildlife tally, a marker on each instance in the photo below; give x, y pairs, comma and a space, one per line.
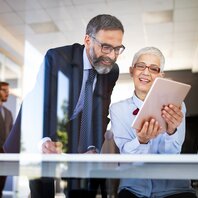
32, 116
62, 109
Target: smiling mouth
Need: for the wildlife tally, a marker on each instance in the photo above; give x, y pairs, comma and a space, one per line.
144, 80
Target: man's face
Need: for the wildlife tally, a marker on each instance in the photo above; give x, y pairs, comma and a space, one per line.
4, 93
103, 49
143, 79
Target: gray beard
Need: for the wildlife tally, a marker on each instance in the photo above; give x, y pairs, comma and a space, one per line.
102, 69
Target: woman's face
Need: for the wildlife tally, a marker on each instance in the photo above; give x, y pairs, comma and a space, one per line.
143, 79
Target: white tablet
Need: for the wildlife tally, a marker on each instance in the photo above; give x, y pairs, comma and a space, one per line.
162, 92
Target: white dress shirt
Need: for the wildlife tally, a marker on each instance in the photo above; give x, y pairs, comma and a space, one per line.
86, 68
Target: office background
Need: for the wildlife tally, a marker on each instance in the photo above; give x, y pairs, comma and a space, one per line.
28, 28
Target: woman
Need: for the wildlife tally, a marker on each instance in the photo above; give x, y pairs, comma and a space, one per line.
147, 65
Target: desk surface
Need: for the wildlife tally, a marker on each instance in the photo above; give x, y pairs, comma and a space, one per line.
100, 166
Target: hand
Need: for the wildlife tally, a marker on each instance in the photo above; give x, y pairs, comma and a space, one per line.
173, 117
150, 130
52, 147
91, 150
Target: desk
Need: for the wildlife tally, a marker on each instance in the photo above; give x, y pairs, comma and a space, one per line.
183, 166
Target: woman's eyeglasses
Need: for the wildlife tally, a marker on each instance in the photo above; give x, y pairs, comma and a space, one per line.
154, 69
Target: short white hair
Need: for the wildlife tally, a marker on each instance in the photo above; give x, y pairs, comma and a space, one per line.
150, 50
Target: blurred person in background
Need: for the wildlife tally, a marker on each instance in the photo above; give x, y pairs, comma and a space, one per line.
6, 122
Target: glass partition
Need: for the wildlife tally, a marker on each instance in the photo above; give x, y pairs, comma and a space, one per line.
42, 99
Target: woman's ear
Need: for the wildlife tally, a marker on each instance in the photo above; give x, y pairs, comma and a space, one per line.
162, 74
131, 71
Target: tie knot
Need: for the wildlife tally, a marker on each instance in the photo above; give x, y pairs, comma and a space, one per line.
92, 74
135, 112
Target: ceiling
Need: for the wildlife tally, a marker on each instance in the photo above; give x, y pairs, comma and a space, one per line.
170, 25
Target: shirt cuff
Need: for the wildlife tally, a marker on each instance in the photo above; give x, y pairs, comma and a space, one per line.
171, 137
43, 140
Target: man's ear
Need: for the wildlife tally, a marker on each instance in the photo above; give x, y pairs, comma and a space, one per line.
87, 40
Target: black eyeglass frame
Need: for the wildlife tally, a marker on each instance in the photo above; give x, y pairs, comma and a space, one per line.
141, 66
106, 48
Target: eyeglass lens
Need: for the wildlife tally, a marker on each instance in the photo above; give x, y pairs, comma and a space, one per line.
152, 68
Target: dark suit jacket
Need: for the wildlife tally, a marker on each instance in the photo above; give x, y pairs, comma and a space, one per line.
69, 60
7, 125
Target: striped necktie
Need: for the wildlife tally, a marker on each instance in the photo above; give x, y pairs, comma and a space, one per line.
86, 135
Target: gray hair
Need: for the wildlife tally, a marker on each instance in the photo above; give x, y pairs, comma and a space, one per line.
103, 22
150, 50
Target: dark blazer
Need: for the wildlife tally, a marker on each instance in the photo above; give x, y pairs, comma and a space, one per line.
69, 60
6, 125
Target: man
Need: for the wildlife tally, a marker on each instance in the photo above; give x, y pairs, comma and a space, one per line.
147, 65
102, 46
6, 121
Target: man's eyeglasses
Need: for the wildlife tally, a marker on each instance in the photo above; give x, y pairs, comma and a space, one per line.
105, 48
154, 69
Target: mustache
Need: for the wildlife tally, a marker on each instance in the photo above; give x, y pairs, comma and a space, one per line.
106, 59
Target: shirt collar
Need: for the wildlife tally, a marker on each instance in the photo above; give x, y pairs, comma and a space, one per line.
86, 62
137, 102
